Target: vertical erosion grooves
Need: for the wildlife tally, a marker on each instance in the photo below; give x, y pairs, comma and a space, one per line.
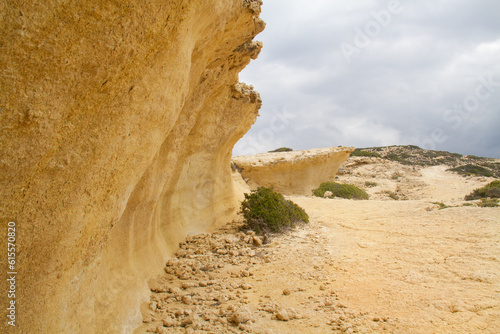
118, 121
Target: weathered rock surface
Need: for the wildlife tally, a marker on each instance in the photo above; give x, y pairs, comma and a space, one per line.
118, 121
292, 173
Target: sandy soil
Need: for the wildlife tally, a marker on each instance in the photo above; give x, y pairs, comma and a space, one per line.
382, 265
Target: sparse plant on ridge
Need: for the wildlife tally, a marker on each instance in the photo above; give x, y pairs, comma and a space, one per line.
360, 153
281, 149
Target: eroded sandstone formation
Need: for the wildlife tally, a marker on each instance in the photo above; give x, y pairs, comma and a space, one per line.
292, 173
118, 120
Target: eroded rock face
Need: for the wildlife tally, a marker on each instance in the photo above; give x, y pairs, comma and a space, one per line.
118, 121
292, 173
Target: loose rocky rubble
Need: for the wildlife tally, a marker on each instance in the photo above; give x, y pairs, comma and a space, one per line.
236, 282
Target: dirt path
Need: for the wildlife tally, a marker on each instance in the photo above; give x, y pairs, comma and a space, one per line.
435, 271
359, 267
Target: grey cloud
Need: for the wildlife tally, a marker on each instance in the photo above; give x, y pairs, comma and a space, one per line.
394, 91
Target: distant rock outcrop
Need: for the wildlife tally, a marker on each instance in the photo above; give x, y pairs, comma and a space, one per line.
293, 173
118, 121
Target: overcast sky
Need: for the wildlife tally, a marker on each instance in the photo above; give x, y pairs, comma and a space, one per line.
371, 73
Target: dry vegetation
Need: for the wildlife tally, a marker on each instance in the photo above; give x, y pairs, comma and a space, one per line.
467, 165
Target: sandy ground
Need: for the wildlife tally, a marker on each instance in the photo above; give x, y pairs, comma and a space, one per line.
376, 266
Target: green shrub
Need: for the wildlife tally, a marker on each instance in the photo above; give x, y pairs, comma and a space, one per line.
340, 190
392, 156
281, 149
360, 153
492, 190
441, 205
488, 203
266, 210
473, 170
392, 194
370, 184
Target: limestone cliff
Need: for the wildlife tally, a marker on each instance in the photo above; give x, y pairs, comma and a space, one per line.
118, 120
292, 173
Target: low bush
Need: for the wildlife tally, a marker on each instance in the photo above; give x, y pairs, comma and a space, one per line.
491, 190
370, 184
441, 205
391, 194
266, 210
340, 190
281, 149
393, 157
360, 153
472, 170
488, 203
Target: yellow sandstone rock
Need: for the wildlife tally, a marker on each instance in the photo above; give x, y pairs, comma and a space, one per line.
118, 121
295, 172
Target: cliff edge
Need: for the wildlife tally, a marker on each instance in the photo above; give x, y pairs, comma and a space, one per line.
295, 172
118, 121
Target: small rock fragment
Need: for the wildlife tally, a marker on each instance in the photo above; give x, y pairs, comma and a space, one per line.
161, 330
187, 285
240, 316
286, 314
187, 300
169, 322
245, 328
257, 241
328, 302
187, 321
158, 288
